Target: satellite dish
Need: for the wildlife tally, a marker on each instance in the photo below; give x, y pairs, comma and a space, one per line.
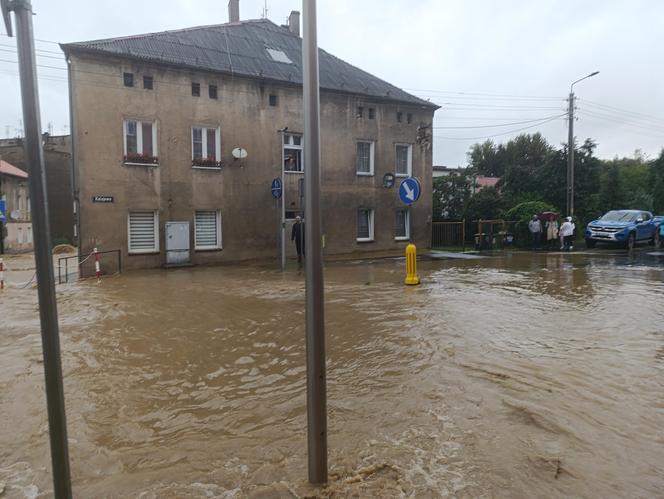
239, 153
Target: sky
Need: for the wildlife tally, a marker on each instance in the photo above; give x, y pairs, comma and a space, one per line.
497, 68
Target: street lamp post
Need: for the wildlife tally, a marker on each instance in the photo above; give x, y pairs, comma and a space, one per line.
570, 146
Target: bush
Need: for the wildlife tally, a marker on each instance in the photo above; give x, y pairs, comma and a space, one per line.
522, 213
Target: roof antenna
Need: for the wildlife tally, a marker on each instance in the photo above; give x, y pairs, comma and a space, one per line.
265, 10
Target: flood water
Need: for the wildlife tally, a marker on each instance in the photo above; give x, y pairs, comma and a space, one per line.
515, 376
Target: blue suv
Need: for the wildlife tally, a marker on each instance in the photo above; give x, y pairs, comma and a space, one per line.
624, 227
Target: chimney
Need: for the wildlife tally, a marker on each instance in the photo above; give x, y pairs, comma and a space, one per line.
233, 11
294, 22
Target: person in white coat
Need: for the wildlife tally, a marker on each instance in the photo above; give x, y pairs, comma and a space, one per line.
567, 235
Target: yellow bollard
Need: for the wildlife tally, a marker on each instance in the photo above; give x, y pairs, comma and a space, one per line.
411, 265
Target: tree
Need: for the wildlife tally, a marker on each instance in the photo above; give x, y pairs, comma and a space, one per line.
487, 159
450, 196
612, 192
657, 182
486, 204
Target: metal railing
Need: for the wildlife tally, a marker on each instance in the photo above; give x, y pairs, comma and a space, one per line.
85, 265
448, 234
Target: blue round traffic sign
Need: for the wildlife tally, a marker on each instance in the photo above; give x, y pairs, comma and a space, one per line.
276, 188
410, 190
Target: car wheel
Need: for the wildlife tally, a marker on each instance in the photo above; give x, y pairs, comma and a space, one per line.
631, 241
590, 244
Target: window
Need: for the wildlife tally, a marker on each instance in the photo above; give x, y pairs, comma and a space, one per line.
148, 82
402, 225
273, 100
212, 91
409, 118
404, 160
372, 113
365, 225
399, 117
143, 231
205, 147
360, 112
207, 229
293, 153
278, 55
195, 89
364, 162
128, 79
140, 144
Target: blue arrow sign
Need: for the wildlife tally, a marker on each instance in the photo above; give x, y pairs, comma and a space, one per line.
409, 190
276, 188
3, 217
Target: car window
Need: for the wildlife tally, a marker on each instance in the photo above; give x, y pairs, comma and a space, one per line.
620, 216
645, 216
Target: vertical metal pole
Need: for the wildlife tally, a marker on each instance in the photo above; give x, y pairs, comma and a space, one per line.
48, 312
315, 317
570, 157
283, 204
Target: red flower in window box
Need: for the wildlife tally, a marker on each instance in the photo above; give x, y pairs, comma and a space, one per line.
207, 162
144, 159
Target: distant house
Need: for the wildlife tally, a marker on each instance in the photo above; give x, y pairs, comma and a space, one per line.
57, 160
16, 229
444, 171
481, 182
156, 119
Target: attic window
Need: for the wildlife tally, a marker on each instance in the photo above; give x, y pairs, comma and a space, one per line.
278, 55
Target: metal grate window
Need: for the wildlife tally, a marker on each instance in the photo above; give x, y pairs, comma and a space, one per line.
365, 230
207, 226
143, 232
403, 159
402, 225
364, 158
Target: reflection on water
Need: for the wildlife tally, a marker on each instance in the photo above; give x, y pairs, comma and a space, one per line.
514, 376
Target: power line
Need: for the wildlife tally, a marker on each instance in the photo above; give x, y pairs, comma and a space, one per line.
535, 97
495, 126
611, 119
606, 123
503, 133
38, 55
623, 112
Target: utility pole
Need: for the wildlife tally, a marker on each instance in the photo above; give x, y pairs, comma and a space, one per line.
570, 157
48, 312
315, 313
570, 146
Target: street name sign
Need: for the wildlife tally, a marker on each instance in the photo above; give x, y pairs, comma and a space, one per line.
276, 188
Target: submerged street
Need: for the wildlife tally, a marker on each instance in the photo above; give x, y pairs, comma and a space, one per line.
518, 375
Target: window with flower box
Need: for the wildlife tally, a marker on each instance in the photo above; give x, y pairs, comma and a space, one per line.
205, 147
140, 142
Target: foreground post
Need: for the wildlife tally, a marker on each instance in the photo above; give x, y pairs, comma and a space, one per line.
48, 312
315, 318
411, 265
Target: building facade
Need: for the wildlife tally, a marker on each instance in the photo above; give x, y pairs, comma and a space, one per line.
57, 161
156, 120
15, 221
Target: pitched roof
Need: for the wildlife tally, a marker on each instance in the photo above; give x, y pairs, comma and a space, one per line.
9, 169
241, 48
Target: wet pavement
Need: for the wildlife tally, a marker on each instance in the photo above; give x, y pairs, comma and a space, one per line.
517, 375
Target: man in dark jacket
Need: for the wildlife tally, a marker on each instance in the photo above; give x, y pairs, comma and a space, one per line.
297, 235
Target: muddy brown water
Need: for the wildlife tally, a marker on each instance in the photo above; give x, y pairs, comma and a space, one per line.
514, 376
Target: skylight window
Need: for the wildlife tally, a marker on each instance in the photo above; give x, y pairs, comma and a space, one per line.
278, 55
